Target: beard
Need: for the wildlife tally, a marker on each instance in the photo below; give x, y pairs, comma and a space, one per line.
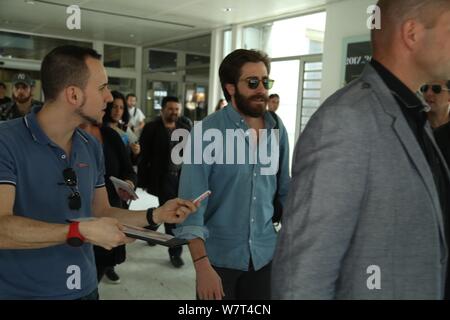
21, 98
86, 119
243, 104
171, 118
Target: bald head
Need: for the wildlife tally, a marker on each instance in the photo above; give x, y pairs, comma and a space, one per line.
396, 12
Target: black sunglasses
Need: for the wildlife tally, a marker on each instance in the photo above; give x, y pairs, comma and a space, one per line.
436, 88
70, 180
253, 83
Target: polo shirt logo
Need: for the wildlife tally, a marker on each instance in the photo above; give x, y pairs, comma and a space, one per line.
82, 165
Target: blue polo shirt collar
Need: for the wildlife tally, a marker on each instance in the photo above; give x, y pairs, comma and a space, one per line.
38, 134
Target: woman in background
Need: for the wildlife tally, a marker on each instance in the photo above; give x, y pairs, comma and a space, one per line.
117, 117
117, 164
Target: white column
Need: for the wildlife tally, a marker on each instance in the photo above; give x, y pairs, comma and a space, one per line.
215, 90
138, 69
237, 37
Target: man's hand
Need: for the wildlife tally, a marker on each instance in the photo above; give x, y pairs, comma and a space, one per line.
174, 211
209, 283
104, 232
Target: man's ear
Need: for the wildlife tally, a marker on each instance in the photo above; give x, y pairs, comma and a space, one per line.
73, 95
231, 89
412, 32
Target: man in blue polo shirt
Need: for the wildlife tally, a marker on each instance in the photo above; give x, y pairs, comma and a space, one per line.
51, 171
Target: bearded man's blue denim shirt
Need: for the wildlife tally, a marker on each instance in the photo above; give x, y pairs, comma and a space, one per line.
236, 219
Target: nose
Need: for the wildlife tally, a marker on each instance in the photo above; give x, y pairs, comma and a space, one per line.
429, 92
109, 97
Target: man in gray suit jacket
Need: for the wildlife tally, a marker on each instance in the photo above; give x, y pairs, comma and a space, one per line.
366, 216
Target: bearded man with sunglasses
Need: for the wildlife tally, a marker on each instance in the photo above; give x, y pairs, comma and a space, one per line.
232, 236
52, 172
368, 209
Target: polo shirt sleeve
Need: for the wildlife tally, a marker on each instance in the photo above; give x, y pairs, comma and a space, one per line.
8, 170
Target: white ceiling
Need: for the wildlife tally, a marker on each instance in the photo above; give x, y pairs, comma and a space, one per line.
133, 21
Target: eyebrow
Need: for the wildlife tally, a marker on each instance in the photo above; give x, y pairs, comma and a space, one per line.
256, 77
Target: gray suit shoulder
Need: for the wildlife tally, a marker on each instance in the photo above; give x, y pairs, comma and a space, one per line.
351, 95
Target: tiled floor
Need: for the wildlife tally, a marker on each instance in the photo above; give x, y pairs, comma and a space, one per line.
147, 273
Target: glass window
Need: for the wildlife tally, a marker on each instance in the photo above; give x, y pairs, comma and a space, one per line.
123, 85
161, 60
155, 92
202, 72
196, 60
275, 37
200, 44
119, 57
196, 107
227, 42
23, 46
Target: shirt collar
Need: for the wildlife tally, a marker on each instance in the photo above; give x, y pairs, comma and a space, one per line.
239, 121
38, 134
411, 105
400, 91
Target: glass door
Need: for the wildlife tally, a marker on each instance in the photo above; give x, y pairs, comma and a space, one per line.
195, 106
155, 92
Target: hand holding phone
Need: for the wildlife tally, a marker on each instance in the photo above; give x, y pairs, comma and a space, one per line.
201, 197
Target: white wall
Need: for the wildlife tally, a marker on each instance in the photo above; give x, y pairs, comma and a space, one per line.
344, 19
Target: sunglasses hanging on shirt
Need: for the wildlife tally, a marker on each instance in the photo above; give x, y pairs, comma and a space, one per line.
70, 180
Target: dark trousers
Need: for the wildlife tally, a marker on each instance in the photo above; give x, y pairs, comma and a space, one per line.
170, 191
246, 285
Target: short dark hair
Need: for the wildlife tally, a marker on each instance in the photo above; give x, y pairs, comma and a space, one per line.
130, 95
167, 99
65, 66
125, 116
274, 95
230, 68
3, 85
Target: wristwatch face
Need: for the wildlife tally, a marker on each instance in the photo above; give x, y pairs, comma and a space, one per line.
74, 242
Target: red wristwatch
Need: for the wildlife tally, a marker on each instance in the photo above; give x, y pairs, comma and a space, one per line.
74, 237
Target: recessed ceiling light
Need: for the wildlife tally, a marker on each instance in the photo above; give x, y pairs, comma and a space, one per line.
227, 9
29, 1
131, 35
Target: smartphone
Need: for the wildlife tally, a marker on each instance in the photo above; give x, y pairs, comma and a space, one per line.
202, 197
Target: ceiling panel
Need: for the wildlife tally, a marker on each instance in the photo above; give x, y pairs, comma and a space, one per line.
133, 21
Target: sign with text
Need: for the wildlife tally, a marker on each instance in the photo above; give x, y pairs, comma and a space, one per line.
358, 55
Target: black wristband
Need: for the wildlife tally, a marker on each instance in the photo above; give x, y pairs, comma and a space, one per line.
151, 222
